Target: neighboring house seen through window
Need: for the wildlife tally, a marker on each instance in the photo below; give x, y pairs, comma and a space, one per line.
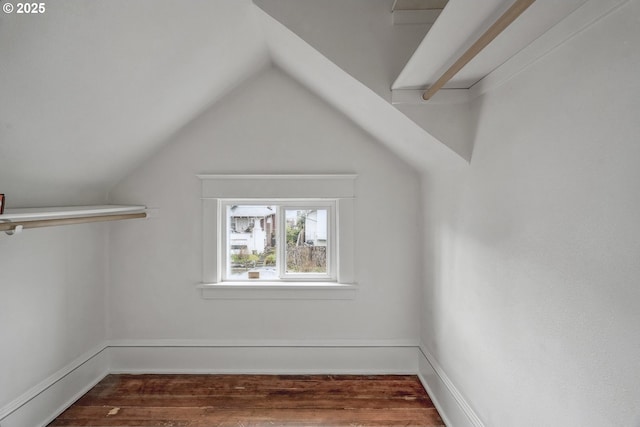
278, 240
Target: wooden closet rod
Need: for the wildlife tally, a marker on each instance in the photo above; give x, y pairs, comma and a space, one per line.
503, 22
8, 226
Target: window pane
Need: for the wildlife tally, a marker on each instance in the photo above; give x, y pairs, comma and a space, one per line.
251, 251
306, 249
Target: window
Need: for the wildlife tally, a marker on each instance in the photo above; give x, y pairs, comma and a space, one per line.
278, 240
277, 232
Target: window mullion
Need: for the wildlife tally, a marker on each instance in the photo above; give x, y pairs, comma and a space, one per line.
282, 241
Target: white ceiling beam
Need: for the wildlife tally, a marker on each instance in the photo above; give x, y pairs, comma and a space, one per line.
506, 19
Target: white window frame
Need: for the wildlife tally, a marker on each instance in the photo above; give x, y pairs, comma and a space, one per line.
339, 189
281, 205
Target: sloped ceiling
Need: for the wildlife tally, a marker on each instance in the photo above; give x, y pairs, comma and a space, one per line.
357, 101
357, 35
360, 37
91, 88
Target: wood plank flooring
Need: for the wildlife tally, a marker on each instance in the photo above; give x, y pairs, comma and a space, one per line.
252, 401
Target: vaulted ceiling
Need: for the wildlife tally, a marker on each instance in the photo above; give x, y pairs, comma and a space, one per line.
92, 88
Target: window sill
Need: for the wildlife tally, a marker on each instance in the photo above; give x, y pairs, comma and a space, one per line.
278, 290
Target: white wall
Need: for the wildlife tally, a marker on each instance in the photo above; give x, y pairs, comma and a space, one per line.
269, 125
531, 307
452, 124
52, 305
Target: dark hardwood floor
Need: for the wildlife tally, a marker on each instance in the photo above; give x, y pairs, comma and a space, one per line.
253, 400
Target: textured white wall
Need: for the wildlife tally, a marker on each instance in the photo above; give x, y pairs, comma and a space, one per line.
52, 302
269, 125
531, 306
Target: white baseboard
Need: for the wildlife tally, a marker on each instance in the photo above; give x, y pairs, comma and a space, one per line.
158, 356
453, 408
39, 405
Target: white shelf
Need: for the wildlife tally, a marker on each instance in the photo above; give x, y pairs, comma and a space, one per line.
32, 214
13, 221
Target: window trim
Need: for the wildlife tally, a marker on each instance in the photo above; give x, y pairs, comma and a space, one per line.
339, 187
281, 205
